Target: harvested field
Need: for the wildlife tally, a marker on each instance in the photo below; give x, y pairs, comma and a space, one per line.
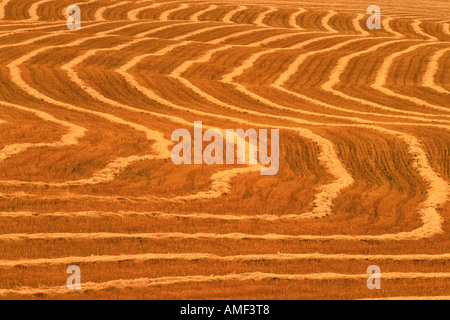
86, 176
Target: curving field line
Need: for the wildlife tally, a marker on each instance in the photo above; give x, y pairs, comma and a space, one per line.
428, 211
272, 39
99, 13
64, 12
438, 190
328, 86
293, 67
53, 34
416, 27
165, 15
71, 138
434, 229
412, 298
280, 81
196, 16
323, 202
328, 157
23, 30
203, 216
69, 68
260, 18
335, 78
144, 257
432, 220
250, 61
382, 75
105, 175
133, 14
438, 193
163, 28
3, 5
446, 28
177, 74
293, 19
341, 66
230, 14
386, 26
32, 12
326, 20
220, 184
243, 277
234, 35
197, 32
16, 78
220, 180
432, 69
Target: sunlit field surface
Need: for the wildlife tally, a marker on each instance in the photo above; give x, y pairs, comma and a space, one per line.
86, 176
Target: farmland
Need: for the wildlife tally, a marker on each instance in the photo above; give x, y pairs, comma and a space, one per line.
86, 176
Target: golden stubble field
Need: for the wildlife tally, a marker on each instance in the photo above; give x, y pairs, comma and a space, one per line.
86, 176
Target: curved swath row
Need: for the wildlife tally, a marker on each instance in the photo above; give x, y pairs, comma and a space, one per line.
147, 68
